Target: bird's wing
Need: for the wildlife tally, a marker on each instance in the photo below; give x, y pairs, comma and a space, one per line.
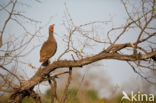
43, 52
51, 49
48, 50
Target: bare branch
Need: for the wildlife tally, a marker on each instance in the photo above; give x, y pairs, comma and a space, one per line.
64, 97
6, 22
10, 73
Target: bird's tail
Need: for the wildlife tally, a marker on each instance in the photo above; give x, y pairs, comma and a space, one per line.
46, 63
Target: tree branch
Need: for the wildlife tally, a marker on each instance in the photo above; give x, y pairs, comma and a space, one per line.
64, 97
42, 72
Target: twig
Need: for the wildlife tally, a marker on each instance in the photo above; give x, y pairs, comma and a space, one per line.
11, 73
6, 22
140, 74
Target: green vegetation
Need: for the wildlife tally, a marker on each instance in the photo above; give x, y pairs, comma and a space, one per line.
77, 96
28, 100
3, 99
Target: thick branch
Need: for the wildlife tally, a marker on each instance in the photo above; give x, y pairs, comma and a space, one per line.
42, 72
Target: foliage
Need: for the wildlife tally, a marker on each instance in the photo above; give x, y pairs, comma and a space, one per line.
28, 100
3, 99
92, 94
75, 96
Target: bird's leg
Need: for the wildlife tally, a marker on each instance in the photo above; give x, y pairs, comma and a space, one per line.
46, 63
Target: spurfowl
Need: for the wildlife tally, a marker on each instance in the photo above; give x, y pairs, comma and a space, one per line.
48, 48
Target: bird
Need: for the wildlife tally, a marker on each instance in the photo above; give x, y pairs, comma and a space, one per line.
48, 48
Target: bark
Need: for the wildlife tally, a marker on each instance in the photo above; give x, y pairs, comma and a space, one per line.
42, 72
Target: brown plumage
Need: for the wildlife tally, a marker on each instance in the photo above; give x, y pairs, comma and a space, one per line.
49, 47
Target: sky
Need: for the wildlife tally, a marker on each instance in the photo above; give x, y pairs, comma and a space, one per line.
81, 11
84, 11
